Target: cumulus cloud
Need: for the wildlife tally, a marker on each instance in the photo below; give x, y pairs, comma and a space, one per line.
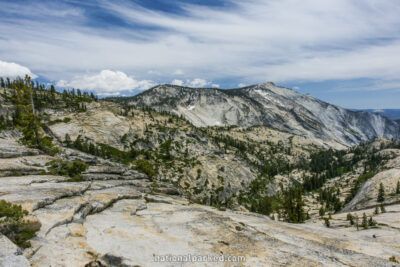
197, 82
178, 82
14, 70
107, 82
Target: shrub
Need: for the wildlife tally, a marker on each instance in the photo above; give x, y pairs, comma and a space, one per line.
13, 226
11, 211
145, 167
65, 120
70, 169
393, 259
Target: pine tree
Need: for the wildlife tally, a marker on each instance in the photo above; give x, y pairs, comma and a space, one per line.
67, 140
383, 210
357, 225
381, 193
376, 210
350, 218
365, 221
26, 119
371, 222
398, 187
293, 205
8, 83
327, 222
321, 211
53, 94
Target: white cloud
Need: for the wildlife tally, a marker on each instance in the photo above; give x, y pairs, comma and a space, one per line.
14, 70
197, 82
178, 82
107, 82
241, 85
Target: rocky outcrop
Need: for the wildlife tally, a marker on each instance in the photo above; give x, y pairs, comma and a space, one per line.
268, 105
118, 218
367, 195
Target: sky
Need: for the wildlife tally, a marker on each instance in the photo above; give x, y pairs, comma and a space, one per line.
345, 52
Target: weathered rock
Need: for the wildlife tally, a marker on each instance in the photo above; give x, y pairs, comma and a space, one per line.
9, 148
10, 254
367, 195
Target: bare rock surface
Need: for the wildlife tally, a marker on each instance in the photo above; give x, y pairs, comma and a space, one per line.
10, 254
112, 221
117, 217
368, 193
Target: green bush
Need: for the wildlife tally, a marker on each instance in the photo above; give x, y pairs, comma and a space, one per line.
65, 120
70, 169
13, 226
145, 167
11, 211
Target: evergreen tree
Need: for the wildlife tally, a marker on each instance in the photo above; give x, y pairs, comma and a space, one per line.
371, 222
321, 211
53, 94
350, 218
376, 210
327, 222
293, 205
383, 210
357, 222
381, 193
67, 141
26, 119
365, 221
398, 187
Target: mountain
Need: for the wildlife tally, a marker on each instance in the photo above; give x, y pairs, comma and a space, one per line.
268, 105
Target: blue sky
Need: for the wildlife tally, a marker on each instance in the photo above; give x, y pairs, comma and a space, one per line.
346, 52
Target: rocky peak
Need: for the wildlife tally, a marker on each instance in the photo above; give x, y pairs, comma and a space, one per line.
269, 105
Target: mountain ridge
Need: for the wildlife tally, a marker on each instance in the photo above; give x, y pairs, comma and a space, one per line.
268, 105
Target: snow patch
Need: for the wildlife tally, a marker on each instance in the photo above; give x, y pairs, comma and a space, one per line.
267, 96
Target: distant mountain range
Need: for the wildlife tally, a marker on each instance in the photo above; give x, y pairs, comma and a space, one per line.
393, 114
268, 105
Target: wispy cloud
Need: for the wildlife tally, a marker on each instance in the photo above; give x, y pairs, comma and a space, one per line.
247, 41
